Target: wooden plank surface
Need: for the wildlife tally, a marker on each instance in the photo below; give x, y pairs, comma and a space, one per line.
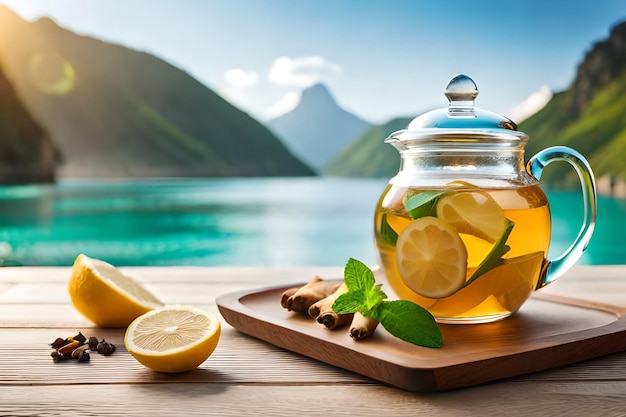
511, 399
246, 376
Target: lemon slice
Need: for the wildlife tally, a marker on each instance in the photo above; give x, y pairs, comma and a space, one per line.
106, 296
474, 213
174, 338
516, 279
432, 258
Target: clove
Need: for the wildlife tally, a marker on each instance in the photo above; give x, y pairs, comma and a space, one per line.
105, 348
93, 343
78, 347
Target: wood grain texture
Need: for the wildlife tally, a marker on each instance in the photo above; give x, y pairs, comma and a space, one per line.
246, 376
237, 359
209, 399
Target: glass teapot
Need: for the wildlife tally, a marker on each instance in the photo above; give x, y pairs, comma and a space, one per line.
463, 229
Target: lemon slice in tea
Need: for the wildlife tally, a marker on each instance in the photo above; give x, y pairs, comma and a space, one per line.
516, 279
474, 213
175, 338
432, 258
105, 295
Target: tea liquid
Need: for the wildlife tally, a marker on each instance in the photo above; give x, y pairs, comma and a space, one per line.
501, 290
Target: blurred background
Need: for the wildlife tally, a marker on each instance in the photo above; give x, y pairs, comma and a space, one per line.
251, 133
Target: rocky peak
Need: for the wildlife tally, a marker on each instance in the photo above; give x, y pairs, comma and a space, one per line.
317, 93
318, 127
605, 62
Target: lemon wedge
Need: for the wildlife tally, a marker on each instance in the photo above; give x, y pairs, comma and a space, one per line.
474, 213
105, 295
175, 338
432, 258
516, 279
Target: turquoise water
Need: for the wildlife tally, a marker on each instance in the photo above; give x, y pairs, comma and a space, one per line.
261, 221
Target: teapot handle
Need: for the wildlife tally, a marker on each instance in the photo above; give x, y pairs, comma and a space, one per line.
557, 267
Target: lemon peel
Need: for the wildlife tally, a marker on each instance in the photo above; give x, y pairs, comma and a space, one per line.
105, 295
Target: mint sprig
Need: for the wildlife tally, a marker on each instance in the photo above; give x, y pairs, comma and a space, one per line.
390, 235
422, 204
408, 321
417, 205
401, 318
494, 257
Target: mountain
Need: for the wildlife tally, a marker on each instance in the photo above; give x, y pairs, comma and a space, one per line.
368, 155
115, 112
588, 116
317, 128
26, 151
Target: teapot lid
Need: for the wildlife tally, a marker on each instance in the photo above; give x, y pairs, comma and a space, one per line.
460, 118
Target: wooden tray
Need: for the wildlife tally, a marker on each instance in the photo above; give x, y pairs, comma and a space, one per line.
549, 331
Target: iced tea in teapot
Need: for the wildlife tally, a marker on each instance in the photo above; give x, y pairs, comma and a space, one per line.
488, 271
463, 229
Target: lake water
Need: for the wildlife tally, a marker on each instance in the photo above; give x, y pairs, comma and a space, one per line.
243, 222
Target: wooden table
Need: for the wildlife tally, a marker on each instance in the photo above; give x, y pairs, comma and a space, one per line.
246, 376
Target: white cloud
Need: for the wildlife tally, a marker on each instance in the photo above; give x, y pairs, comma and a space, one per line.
531, 104
287, 103
300, 72
240, 78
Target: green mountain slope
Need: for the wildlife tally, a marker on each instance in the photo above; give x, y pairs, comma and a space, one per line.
26, 152
599, 132
368, 155
589, 116
115, 112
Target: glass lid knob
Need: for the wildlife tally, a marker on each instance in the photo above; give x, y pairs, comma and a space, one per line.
461, 92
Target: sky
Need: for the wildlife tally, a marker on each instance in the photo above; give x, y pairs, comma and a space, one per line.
380, 59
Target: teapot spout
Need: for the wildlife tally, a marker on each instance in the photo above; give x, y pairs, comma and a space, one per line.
396, 142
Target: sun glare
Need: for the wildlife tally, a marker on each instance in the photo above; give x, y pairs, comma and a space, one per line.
51, 73
47, 70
